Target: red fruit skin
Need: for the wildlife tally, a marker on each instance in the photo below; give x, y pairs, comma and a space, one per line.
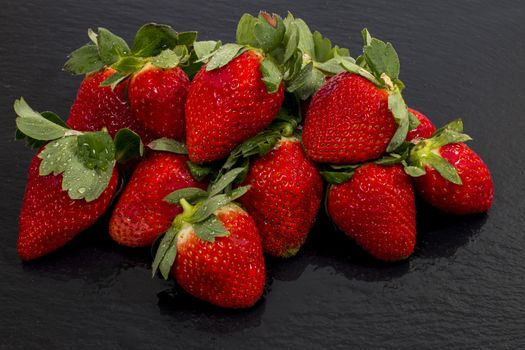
476, 193
49, 218
424, 130
376, 208
97, 107
348, 121
157, 97
141, 214
226, 106
229, 272
285, 196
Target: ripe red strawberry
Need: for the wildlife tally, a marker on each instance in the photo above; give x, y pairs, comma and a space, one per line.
141, 214
49, 218
229, 272
376, 208
285, 196
157, 97
228, 105
348, 121
99, 107
473, 195
424, 130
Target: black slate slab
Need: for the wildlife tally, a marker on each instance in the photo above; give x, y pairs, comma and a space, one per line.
462, 289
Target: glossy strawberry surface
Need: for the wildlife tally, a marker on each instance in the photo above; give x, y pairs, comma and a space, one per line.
376, 208
226, 106
424, 130
348, 121
474, 195
97, 107
157, 97
49, 218
229, 272
141, 214
284, 198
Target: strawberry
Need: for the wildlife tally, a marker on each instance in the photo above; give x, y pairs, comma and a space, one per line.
71, 180
229, 272
285, 197
376, 208
228, 105
141, 215
424, 130
348, 121
213, 248
157, 97
448, 174
359, 114
148, 73
97, 107
49, 218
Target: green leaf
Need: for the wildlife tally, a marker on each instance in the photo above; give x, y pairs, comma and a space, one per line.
271, 74
455, 125
313, 82
92, 36
36, 126
224, 55
168, 145
443, 167
186, 38
331, 67
191, 194
335, 177
129, 65
292, 40
166, 59
128, 145
210, 228
151, 39
224, 181
301, 78
214, 203
96, 150
448, 136
62, 157
111, 47
245, 34
397, 106
356, 69
306, 41
269, 37
166, 253
114, 79
34, 143
199, 172
390, 159
414, 171
413, 122
84, 60
205, 48
323, 47
367, 38
382, 58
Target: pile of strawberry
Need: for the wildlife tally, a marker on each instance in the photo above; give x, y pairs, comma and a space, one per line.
215, 154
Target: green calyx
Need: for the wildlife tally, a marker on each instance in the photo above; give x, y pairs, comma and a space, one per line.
379, 63
84, 159
426, 153
199, 208
293, 55
155, 44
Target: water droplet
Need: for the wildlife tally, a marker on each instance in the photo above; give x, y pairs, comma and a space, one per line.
81, 190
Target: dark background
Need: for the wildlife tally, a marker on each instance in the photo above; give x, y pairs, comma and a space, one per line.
464, 286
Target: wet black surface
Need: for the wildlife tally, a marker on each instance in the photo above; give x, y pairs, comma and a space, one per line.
464, 286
